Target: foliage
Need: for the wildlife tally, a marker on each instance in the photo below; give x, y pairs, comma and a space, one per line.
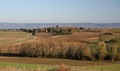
68, 50
108, 33
59, 30
114, 52
102, 50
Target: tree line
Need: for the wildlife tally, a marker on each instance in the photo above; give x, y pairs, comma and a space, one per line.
70, 50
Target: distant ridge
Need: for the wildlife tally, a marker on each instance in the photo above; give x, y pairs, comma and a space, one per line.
41, 25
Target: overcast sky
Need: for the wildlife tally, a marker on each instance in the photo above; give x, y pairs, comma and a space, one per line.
60, 11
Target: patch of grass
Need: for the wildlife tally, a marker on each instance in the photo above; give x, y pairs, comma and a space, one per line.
112, 67
115, 30
27, 66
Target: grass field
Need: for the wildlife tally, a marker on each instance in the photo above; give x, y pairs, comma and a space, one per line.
111, 67
47, 63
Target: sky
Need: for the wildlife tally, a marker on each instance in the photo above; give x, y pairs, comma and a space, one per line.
60, 11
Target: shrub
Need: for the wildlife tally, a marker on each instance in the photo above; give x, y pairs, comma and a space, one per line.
108, 33
102, 50
86, 53
114, 52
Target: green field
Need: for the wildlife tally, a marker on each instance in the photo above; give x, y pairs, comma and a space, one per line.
47, 63
115, 30
113, 67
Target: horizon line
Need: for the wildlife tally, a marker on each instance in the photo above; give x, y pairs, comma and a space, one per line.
60, 23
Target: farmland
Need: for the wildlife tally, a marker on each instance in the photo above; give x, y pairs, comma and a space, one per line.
11, 39
45, 63
15, 40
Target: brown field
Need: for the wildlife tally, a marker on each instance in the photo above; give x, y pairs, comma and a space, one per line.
48, 61
12, 41
75, 37
12, 36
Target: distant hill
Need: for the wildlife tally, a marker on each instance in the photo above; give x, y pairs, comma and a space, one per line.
41, 25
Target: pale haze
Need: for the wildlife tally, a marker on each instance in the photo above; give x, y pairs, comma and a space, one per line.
60, 11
